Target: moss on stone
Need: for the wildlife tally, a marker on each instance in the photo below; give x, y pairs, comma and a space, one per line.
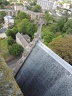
8, 86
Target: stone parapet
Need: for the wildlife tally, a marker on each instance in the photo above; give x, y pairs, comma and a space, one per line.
8, 86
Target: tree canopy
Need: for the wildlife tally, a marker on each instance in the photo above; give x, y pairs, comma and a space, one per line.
22, 15
68, 26
16, 50
22, 26
2, 14
12, 32
48, 18
37, 8
63, 47
10, 40
27, 27
3, 3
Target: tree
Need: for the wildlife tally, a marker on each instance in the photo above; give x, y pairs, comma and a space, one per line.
15, 31
10, 40
68, 26
22, 15
37, 8
69, 31
31, 29
48, 18
16, 50
63, 47
3, 3
2, 14
54, 28
22, 26
11, 32
60, 23
48, 38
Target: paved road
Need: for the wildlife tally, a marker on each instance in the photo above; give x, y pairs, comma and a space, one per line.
7, 10
13, 63
2, 35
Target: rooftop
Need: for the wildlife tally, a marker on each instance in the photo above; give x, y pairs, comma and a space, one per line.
44, 73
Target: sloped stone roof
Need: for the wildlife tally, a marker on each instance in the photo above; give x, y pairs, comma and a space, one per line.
44, 73
21, 38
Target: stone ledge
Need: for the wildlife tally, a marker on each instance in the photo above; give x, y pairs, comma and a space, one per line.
8, 85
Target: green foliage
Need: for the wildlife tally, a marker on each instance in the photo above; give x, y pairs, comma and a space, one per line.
58, 37
69, 31
31, 29
45, 30
17, 21
29, 7
27, 27
60, 24
2, 14
63, 47
1, 6
16, 50
36, 8
12, 32
22, 26
47, 35
54, 28
33, 3
3, 3
4, 49
10, 40
48, 38
22, 15
48, 17
9, 32
68, 26
0, 25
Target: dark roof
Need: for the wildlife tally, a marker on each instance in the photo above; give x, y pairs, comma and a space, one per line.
2, 30
44, 73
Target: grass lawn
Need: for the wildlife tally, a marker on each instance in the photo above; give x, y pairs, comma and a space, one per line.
4, 50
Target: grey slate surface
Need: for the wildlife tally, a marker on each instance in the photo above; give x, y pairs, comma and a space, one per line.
2, 30
45, 74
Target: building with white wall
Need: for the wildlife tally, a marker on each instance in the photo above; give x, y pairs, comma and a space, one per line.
8, 21
66, 5
21, 40
47, 5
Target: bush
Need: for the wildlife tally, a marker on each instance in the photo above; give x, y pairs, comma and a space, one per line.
54, 28
48, 38
16, 50
37, 8
12, 32
22, 15
9, 32
68, 26
10, 40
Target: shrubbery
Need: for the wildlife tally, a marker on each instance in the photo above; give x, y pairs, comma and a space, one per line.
10, 40
16, 50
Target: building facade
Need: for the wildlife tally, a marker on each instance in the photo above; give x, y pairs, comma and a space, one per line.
47, 5
8, 21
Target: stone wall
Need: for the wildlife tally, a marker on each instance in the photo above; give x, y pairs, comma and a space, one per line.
27, 50
8, 86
